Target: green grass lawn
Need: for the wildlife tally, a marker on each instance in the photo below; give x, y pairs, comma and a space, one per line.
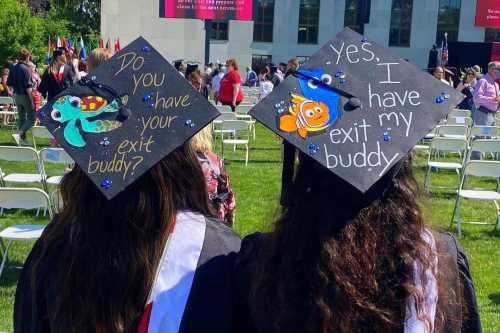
257, 189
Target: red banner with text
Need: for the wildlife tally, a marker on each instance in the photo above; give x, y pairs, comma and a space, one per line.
207, 9
488, 13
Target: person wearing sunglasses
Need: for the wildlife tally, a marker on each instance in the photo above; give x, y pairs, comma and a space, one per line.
466, 87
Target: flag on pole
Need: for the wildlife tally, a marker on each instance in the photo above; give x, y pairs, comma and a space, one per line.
101, 43
64, 43
59, 43
83, 51
117, 45
444, 52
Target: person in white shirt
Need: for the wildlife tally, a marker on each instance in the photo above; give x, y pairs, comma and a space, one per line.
266, 86
216, 82
439, 74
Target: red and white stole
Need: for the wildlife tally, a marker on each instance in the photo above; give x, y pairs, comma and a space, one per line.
175, 273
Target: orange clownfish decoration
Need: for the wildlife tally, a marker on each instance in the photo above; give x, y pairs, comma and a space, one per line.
305, 116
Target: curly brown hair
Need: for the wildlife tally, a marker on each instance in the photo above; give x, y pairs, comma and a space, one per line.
336, 264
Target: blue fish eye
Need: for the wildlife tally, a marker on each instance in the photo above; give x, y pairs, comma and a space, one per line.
312, 84
326, 78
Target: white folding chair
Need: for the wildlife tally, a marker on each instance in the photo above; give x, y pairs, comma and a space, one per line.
217, 125
23, 198
20, 154
444, 144
53, 155
40, 132
237, 126
244, 108
478, 169
485, 131
223, 108
6, 101
431, 134
242, 114
459, 113
453, 131
463, 121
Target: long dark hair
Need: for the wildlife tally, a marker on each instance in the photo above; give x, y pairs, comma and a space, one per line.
106, 252
337, 262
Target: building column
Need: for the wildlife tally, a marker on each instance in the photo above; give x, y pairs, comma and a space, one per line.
468, 32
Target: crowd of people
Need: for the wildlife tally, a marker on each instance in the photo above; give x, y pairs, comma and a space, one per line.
223, 82
335, 259
478, 88
482, 93
21, 79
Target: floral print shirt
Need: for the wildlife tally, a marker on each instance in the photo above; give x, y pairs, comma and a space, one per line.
219, 190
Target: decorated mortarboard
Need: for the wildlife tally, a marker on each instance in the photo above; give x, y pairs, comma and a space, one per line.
356, 108
125, 116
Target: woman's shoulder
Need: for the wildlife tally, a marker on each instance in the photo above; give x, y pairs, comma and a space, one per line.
221, 238
251, 247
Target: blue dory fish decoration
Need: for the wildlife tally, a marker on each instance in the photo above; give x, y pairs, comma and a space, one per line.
315, 91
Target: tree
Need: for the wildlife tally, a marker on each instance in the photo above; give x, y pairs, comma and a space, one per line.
18, 29
84, 15
21, 27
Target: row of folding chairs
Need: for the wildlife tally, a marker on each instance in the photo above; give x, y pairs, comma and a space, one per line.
241, 114
458, 131
39, 160
466, 168
24, 198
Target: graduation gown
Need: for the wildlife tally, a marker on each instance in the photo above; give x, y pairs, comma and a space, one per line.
196, 299
460, 315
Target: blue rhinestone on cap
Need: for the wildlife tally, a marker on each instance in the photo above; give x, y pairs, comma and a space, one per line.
148, 97
313, 148
439, 99
146, 49
104, 142
387, 137
106, 184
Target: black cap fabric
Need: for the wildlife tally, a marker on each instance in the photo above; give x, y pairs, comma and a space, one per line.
356, 108
126, 116
191, 67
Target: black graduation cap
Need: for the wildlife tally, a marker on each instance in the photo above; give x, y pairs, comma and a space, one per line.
178, 63
355, 108
191, 67
125, 116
